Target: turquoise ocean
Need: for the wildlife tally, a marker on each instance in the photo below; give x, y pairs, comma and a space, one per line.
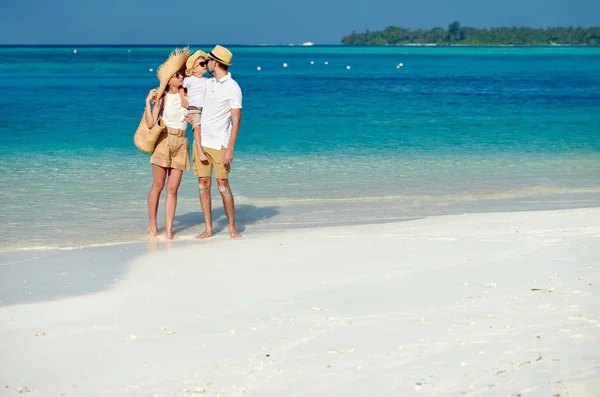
342, 135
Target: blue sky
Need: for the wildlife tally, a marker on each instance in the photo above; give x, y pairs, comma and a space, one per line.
265, 21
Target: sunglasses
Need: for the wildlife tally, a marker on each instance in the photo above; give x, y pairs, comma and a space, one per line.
178, 74
203, 63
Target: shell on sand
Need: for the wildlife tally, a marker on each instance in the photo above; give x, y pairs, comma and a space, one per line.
40, 333
317, 309
133, 337
23, 389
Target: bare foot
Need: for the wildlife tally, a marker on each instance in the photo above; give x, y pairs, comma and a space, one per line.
206, 234
202, 156
168, 234
152, 231
234, 234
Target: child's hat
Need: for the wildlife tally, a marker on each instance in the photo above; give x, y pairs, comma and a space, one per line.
189, 64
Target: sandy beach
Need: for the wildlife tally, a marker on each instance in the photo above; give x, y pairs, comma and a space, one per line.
498, 304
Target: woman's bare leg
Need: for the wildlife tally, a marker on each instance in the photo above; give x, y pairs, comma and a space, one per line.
159, 175
171, 206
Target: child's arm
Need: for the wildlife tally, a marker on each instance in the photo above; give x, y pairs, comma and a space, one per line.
184, 102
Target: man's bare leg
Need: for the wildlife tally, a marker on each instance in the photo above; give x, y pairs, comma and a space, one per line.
205, 203
171, 206
229, 206
158, 183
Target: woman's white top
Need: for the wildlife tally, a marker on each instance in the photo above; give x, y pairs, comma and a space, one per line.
173, 113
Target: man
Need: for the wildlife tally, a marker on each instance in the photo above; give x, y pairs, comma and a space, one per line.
219, 127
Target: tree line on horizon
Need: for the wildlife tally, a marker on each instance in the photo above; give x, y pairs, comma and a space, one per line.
457, 34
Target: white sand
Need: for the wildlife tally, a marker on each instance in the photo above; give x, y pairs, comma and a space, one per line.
441, 305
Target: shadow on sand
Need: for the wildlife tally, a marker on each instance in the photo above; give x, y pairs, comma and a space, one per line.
37, 276
244, 215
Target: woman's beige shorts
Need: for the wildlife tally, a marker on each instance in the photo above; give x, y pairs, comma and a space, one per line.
172, 150
197, 115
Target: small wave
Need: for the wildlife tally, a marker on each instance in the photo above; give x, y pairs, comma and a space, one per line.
68, 248
467, 196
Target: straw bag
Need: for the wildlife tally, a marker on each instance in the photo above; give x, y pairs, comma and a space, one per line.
145, 138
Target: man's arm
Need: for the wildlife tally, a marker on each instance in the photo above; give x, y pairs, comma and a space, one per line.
236, 120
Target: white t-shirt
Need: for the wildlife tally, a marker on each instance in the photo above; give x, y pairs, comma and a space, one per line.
221, 96
174, 114
196, 88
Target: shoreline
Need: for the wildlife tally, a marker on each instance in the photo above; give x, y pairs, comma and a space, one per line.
263, 216
472, 303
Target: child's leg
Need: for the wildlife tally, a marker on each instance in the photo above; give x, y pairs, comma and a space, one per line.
201, 154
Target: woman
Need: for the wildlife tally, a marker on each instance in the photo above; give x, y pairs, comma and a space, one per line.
171, 153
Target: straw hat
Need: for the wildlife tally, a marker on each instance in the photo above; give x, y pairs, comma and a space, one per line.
221, 55
171, 66
189, 64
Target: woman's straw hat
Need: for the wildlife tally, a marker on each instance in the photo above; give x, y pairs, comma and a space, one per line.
221, 55
189, 64
171, 66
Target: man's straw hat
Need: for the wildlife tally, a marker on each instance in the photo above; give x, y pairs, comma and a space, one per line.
189, 64
221, 55
171, 66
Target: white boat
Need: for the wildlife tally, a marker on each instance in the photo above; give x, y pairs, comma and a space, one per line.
308, 43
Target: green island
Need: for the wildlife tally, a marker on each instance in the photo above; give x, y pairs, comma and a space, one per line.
464, 35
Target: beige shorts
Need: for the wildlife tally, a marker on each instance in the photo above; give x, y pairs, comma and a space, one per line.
215, 160
197, 114
172, 150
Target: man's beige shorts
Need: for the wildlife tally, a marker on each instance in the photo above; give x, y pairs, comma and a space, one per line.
215, 160
197, 114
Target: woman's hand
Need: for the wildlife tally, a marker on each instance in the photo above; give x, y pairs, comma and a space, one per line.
151, 95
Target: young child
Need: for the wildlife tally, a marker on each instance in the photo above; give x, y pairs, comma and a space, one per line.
195, 84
